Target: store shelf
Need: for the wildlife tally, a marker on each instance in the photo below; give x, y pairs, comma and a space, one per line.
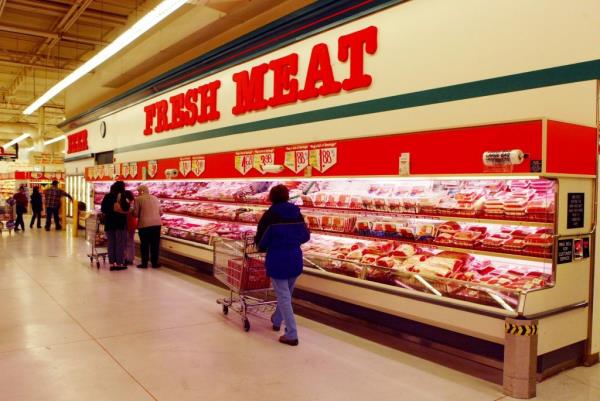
359, 237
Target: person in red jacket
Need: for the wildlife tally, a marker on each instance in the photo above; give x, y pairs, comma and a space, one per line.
21, 203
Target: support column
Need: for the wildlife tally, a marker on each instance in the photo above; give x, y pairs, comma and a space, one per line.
75, 221
520, 358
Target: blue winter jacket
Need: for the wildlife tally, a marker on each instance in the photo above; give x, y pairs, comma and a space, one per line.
280, 233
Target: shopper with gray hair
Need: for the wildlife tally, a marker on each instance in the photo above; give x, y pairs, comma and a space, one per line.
147, 210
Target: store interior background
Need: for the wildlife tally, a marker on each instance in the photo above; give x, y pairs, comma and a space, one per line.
434, 54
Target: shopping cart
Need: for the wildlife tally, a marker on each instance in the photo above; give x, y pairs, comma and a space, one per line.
242, 269
7, 217
96, 239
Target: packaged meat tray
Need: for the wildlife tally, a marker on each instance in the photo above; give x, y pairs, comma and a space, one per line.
466, 238
444, 238
495, 241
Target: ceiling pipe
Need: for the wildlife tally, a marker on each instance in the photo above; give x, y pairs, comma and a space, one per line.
33, 65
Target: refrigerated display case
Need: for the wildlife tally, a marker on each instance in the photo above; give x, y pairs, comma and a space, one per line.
460, 229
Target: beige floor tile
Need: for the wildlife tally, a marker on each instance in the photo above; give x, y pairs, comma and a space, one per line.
219, 361
71, 372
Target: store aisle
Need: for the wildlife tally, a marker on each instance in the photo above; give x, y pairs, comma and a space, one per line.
70, 332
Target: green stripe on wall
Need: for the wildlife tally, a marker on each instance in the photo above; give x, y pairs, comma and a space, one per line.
571, 73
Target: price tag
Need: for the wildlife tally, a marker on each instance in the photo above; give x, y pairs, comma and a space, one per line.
261, 159
323, 159
404, 164
198, 166
296, 160
125, 170
100, 171
117, 169
152, 168
185, 166
133, 169
110, 170
243, 163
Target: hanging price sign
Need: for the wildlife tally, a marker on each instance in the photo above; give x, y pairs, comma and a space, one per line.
117, 169
296, 160
110, 170
323, 159
185, 166
100, 171
152, 168
125, 170
244, 163
133, 170
198, 166
262, 159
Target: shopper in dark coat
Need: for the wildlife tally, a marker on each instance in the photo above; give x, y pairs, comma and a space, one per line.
36, 207
280, 233
115, 208
21, 203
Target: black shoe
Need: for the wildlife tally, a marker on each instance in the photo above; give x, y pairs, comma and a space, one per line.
16, 229
117, 267
288, 341
156, 266
38, 227
142, 266
58, 228
47, 228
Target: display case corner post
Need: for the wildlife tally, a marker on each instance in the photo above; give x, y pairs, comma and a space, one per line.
520, 358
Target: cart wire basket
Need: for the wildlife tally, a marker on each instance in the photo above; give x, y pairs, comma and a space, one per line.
96, 239
241, 268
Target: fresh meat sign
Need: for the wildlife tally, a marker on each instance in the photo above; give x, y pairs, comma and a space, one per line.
200, 105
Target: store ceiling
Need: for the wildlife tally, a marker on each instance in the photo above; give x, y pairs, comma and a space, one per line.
41, 41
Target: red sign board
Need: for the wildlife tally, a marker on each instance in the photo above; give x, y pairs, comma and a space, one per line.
77, 142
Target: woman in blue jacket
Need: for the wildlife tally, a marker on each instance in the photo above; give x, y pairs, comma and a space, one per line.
280, 233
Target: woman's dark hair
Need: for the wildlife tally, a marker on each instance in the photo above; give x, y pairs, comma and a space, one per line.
279, 193
36, 190
129, 195
117, 187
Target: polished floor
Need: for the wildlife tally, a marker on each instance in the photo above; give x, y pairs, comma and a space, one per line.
71, 332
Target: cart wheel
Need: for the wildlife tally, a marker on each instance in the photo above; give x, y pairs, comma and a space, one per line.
246, 325
225, 309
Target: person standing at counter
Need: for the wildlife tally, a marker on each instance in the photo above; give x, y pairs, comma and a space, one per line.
53, 198
115, 208
21, 203
280, 232
36, 208
147, 210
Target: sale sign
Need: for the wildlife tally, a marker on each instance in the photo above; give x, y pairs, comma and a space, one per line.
133, 169
152, 168
244, 163
185, 166
296, 160
262, 159
125, 170
198, 166
323, 159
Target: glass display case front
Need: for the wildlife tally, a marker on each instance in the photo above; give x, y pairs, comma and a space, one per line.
483, 241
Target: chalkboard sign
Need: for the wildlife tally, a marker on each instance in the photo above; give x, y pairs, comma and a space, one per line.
575, 209
565, 251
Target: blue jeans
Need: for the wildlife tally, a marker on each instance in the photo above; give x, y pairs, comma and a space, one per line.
117, 242
284, 312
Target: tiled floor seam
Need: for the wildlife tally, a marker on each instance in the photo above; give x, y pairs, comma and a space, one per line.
184, 326
146, 390
44, 346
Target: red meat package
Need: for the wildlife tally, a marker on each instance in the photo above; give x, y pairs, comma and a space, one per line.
404, 251
370, 259
466, 238
386, 261
313, 221
514, 244
379, 248
495, 240
444, 239
449, 227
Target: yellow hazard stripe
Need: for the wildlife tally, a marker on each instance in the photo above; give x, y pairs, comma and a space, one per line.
521, 330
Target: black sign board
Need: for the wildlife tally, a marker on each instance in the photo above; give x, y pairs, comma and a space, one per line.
575, 209
565, 251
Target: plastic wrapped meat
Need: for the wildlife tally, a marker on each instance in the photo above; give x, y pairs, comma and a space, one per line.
466, 238
495, 240
449, 227
444, 239
404, 251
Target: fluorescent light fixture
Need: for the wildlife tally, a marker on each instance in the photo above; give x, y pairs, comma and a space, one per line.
159, 13
53, 140
16, 140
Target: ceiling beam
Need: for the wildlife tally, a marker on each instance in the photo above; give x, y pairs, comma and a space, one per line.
53, 9
51, 35
35, 65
